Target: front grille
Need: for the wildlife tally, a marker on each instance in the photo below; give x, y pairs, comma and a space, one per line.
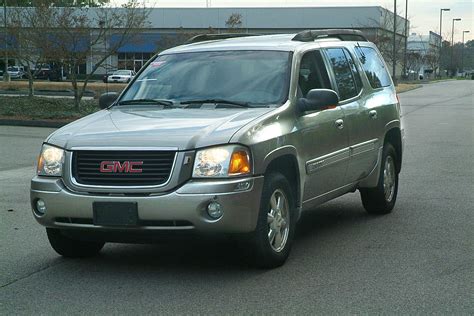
155, 168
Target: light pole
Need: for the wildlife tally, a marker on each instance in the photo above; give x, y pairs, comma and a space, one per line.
462, 52
441, 36
6, 76
394, 44
452, 46
406, 40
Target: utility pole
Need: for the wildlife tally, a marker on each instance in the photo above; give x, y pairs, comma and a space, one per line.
441, 37
394, 44
462, 52
6, 76
452, 46
406, 40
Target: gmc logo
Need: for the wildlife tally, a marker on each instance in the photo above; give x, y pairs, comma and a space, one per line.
124, 167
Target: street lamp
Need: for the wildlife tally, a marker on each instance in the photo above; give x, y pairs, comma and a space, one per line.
6, 76
441, 36
462, 52
452, 45
406, 40
394, 44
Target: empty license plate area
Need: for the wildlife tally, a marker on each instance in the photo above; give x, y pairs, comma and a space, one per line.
115, 213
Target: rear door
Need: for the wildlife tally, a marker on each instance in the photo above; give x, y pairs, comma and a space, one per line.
347, 81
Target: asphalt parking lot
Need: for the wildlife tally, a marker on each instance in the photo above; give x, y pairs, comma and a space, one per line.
419, 259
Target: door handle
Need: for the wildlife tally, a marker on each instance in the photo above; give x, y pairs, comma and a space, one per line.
373, 114
339, 123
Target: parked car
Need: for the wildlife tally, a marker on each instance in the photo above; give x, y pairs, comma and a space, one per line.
16, 72
236, 135
123, 76
50, 74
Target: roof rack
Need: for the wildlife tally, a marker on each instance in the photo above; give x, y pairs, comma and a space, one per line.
212, 37
342, 34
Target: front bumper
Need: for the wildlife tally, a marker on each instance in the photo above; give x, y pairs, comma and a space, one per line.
168, 211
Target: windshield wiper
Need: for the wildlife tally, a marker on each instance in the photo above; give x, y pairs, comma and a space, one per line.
163, 102
217, 101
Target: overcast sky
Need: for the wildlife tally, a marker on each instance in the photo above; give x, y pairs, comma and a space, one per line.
423, 14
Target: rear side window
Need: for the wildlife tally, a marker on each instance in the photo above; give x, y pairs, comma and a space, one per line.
373, 67
346, 83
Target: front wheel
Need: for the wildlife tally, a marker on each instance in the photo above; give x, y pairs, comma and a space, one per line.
381, 199
273, 236
72, 248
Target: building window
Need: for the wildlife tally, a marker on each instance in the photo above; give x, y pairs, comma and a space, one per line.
132, 61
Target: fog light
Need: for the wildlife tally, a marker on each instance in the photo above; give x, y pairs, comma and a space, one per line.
214, 209
40, 207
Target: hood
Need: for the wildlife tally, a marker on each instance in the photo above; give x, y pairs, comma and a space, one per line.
144, 127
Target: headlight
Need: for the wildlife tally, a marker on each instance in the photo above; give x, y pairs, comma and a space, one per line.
222, 161
50, 161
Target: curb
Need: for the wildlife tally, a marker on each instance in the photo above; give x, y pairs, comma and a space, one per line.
33, 123
414, 88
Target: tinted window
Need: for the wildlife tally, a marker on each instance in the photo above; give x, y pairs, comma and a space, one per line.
355, 72
342, 71
373, 67
256, 77
313, 73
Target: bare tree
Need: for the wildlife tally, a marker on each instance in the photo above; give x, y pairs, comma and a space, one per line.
234, 22
414, 62
383, 36
77, 35
28, 30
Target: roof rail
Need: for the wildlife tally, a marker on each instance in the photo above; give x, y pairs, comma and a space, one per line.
342, 34
212, 37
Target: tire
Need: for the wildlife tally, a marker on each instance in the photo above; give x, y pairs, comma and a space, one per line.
71, 248
273, 254
382, 198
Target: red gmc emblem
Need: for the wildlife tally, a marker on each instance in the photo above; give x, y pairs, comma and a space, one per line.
121, 167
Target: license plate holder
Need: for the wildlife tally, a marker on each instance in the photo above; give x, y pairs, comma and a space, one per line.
115, 213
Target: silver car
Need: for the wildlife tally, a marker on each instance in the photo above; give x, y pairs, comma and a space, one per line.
121, 76
229, 134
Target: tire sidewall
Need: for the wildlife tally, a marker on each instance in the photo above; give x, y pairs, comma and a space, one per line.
388, 150
265, 253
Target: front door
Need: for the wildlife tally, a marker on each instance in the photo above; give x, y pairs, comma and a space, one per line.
325, 139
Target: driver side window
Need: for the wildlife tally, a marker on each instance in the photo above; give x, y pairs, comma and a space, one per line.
312, 74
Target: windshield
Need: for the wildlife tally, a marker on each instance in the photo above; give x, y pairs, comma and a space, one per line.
252, 77
13, 69
122, 72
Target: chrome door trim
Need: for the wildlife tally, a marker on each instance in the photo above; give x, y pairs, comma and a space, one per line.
318, 163
364, 147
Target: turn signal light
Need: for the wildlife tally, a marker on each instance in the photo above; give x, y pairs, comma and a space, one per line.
239, 163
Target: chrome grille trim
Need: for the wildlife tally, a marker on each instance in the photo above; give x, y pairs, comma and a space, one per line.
82, 186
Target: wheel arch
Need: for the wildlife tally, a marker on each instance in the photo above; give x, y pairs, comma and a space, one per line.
284, 160
394, 137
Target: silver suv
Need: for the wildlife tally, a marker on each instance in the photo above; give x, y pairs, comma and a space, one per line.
231, 134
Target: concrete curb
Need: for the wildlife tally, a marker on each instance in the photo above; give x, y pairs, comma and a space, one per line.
33, 123
414, 88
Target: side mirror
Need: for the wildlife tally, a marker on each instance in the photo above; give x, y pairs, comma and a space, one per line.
317, 100
107, 99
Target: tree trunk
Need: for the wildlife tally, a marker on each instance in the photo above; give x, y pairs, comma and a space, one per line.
31, 88
77, 99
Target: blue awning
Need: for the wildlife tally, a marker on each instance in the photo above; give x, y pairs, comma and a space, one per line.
139, 43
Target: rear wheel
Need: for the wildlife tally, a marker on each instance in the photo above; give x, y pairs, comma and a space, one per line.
72, 248
273, 236
382, 198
